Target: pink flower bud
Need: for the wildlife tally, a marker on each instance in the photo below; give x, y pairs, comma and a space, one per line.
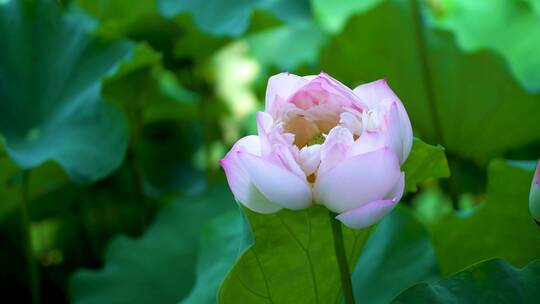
320, 142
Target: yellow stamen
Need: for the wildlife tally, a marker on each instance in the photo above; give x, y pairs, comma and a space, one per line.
316, 139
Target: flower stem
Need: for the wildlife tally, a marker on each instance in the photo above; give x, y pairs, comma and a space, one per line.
341, 256
27, 242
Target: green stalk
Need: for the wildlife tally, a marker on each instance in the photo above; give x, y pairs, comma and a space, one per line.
341, 256
27, 243
423, 55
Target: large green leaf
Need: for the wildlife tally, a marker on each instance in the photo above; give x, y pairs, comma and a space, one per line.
431, 204
291, 261
159, 266
483, 111
231, 17
463, 101
476, 100
42, 183
303, 42
397, 255
157, 88
50, 81
493, 281
474, 22
138, 20
425, 161
333, 15
162, 116
219, 248
502, 227
217, 17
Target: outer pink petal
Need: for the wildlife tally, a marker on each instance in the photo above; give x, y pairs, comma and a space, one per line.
343, 89
239, 181
271, 134
397, 191
397, 136
372, 212
368, 214
369, 141
278, 185
375, 92
402, 128
282, 86
264, 126
358, 180
324, 89
378, 92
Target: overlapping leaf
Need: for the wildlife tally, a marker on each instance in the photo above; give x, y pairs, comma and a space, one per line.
302, 42
516, 23
425, 161
293, 247
493, 281
159, 266
50, 81
469, 102
333, 15
397, 255
158, 95
219, 248
230, 17
502, 227
134, 19
482, 110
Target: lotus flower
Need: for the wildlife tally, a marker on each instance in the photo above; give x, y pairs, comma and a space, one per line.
320, 142
534, 196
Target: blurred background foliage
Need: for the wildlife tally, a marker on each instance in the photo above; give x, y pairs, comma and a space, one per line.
114, 114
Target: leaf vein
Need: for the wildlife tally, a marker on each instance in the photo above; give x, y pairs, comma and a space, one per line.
263, 274
249, 288
306, 252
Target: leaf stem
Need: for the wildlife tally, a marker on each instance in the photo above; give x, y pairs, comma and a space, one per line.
341, 256
133, 162
26, 237
423, 54
138, 184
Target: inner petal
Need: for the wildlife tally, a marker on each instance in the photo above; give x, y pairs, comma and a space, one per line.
302, 128
316, 111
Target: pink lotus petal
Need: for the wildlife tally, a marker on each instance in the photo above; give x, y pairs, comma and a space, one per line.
397, 191
376, 92
240, 183
335, 148
400, 131
324, 89
358, 180
278, 185
369, 141
310, 158
281, 87
394, 130
367, 214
